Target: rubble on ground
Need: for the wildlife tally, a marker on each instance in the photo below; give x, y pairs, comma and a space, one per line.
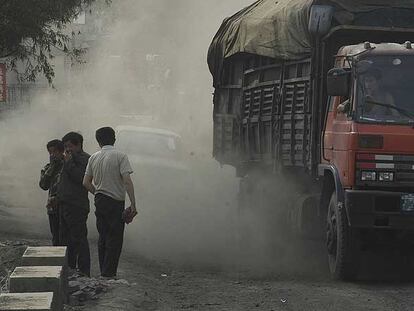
83, 289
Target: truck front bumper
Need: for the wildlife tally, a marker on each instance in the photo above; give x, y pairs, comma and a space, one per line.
377, 209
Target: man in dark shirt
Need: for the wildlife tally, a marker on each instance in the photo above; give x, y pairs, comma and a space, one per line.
74, 204
49, 178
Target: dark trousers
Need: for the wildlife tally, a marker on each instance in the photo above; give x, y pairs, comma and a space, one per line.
54, 228
74, 235
110, 226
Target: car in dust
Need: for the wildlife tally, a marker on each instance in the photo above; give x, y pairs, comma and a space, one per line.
157, 157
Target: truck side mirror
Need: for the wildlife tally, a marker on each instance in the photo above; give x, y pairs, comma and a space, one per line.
338, 81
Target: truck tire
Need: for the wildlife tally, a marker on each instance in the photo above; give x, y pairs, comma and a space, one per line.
342, 243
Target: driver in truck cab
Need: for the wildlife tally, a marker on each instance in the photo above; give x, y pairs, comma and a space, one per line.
375, 95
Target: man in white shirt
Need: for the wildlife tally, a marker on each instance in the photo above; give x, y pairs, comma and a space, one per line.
107, 176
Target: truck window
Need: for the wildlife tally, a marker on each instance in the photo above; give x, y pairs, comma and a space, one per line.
331, 103
385, 90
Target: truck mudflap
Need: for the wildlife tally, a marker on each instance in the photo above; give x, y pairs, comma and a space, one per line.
380, 209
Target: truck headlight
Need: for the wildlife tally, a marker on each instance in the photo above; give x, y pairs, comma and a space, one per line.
368, 176
386, 176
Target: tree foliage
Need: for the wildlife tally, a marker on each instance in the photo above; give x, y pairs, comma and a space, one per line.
31, 31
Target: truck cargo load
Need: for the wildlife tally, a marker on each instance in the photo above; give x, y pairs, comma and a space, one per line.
279, 29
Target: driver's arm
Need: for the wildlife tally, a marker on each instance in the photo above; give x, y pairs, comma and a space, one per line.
389, 100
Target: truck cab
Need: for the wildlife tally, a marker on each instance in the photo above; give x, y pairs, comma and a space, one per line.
369, 140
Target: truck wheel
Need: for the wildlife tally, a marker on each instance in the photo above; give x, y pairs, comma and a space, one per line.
343, 251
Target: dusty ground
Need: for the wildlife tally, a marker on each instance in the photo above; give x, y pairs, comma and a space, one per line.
293, 278
206, 289
162, 286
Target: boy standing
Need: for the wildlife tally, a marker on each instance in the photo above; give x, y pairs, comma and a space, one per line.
49, 178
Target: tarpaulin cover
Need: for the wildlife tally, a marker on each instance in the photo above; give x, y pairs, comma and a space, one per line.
279, 28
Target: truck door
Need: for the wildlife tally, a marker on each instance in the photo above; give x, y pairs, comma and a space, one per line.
340, 141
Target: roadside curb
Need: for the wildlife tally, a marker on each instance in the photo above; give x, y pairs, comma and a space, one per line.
41, 283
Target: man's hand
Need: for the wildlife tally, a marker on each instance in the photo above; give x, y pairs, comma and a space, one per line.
87, 183
129, 186
133, 209
67, 156
129, 214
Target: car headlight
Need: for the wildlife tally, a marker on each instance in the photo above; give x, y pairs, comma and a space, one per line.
386, 176
368, 176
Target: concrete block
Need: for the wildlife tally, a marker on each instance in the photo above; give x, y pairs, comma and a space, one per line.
45, 256
27, 301
40, 279
49, 256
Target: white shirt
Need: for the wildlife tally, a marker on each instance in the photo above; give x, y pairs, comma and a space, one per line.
107, 167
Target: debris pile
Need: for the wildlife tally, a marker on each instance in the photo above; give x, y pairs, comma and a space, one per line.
83, 289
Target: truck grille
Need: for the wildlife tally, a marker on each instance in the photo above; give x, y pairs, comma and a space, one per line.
401, 165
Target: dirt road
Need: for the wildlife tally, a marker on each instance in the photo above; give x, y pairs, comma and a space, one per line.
299, 283
162, 287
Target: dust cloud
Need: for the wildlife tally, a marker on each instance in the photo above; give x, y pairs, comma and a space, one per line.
149, 70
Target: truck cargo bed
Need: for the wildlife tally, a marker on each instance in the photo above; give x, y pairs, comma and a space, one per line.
262, 112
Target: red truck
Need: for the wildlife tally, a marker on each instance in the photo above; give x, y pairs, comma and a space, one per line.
319, 93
